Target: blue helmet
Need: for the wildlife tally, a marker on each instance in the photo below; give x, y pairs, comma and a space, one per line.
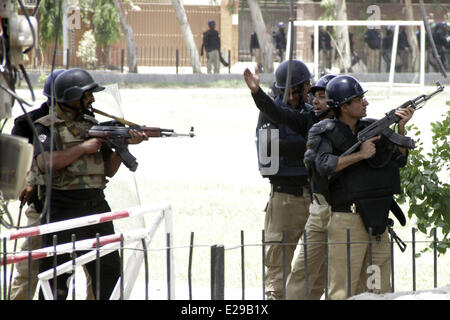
300, 73
281, 25
442, 25
321, 84
342, 89
211, 23
48, 82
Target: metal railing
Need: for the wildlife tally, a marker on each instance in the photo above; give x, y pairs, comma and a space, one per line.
145, 56
217, 264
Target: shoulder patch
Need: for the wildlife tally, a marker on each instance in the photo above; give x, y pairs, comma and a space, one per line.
42, 138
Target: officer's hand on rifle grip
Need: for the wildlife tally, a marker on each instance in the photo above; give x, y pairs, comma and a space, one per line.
368, 148
92, 145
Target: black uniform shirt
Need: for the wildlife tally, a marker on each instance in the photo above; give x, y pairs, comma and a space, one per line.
254, 43
21, 125
300, 122
297, 121
211, 40
280, 40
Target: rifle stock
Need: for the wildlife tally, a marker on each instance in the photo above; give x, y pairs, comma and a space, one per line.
381, 126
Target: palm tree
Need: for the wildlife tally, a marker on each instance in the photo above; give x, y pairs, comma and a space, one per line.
343, 40
187, 35
131, 43
412, 37
264, 39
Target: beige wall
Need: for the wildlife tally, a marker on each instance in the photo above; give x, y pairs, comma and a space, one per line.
229, 33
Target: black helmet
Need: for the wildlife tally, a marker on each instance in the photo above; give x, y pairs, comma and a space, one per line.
70, 85
48, 82
321, 84
342, 89
300, 73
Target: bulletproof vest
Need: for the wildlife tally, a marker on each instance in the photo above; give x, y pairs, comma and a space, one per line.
211, 40
360, 180
288, 165
88, 171
319, 184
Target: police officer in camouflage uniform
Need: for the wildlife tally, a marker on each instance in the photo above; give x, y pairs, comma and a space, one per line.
287, 208
30, 195
360, 189
80, 168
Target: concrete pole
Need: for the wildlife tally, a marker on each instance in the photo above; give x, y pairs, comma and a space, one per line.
65, 33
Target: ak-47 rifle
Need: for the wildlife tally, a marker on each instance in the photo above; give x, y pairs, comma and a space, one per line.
382, 126
118, 135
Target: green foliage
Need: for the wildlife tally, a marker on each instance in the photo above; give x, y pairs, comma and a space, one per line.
231, 6
48, 16
86, 49
422, 184
105, 20
42, 78
104, 17
330, 10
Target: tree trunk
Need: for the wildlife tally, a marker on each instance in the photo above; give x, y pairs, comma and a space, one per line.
343, 39
411, 35
264, 39
131, 44
187, 35
108, 55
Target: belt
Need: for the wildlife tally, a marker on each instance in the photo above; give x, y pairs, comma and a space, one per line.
351, 208
295, 191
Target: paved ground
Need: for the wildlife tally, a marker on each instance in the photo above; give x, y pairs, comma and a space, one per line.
441, 293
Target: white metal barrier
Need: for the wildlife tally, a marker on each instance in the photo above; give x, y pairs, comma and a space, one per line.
108, 244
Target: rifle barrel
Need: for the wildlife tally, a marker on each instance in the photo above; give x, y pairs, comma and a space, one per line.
438, 90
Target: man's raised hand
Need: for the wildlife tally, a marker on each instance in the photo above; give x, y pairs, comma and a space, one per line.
251, 79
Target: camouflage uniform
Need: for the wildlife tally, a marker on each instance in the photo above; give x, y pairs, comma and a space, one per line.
19, 287
77, 190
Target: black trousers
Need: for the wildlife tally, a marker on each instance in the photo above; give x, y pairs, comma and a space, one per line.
71, 204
